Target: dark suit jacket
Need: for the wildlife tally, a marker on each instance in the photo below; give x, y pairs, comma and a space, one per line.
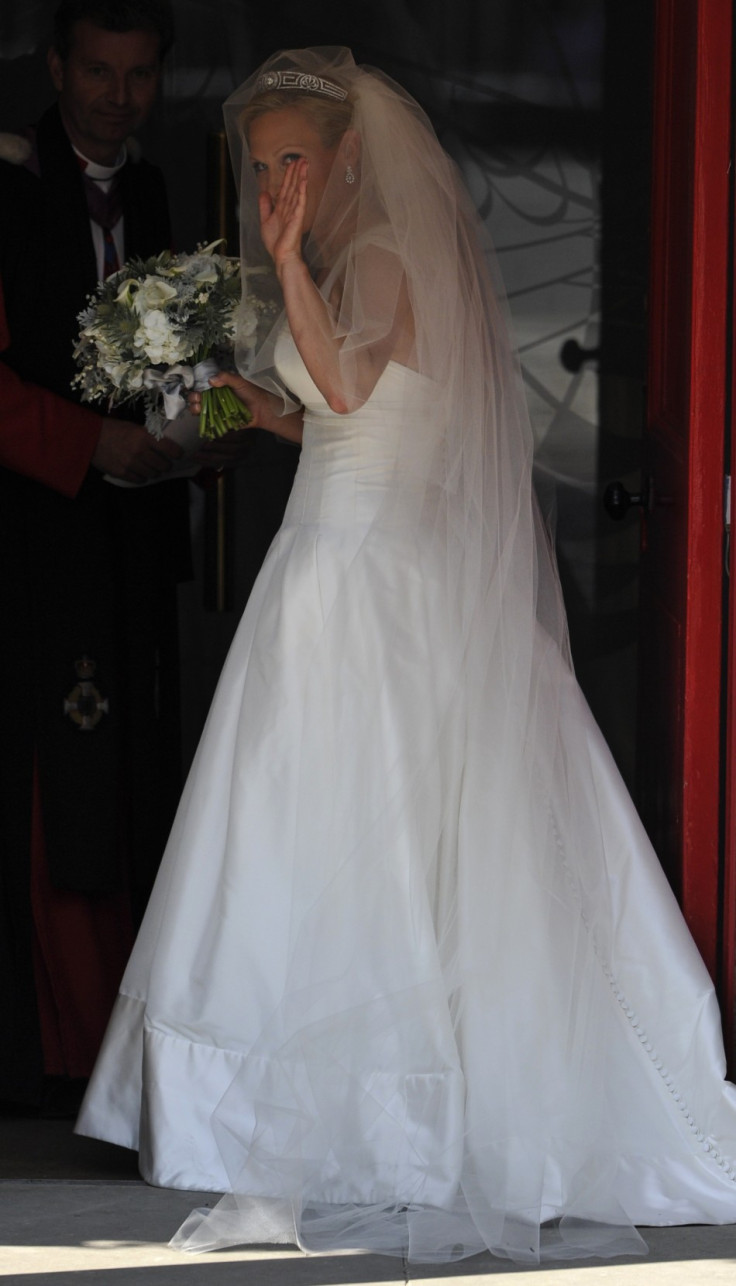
87, 568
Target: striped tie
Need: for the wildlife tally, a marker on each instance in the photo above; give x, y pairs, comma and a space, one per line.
111, 263
105, 209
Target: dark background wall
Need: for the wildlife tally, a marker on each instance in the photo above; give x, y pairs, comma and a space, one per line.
512, 54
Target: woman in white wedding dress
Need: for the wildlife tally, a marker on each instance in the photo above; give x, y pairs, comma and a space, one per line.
411, 979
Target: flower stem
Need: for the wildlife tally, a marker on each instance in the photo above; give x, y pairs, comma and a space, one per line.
221, 412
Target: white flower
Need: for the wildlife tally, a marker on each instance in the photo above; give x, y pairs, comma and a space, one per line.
204, 270
107, 352
211, 246
161, 312
127, 291
116, 371
245, 320
158, 340
151, 294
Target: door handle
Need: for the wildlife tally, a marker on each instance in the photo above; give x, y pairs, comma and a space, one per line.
617, 500
573, 357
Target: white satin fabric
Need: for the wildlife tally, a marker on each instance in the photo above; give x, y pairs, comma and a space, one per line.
380, 996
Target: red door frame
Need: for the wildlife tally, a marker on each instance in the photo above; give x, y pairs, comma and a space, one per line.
728, 942
689, 290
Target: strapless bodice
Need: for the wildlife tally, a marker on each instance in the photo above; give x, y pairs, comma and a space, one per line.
350, 463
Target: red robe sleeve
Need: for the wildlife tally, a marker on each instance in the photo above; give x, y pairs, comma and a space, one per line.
42, 435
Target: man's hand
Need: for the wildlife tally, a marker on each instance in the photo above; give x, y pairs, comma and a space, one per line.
129, 452
226, 452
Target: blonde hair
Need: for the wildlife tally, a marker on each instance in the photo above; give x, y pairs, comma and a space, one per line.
329, 117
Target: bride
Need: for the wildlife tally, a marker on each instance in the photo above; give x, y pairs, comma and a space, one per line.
411, 979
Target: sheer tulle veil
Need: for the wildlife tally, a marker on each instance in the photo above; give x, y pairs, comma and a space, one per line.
406, 228
504, 1152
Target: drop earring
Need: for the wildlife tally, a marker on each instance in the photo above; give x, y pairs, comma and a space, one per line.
349, 176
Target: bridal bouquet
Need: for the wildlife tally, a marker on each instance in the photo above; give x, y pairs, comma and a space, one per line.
161, 326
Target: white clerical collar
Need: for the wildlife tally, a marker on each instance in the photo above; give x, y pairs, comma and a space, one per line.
102, 172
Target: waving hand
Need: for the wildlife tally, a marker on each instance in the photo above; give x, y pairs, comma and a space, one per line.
282, 219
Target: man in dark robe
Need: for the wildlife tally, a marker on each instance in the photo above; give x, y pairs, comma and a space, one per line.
89, 738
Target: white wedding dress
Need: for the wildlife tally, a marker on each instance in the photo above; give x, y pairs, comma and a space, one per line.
380, 995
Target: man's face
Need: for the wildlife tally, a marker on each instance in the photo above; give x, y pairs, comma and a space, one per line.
107, 87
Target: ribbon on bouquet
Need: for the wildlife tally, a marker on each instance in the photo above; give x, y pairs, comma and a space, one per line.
173, 382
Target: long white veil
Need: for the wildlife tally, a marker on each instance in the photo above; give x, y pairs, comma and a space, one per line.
487, 830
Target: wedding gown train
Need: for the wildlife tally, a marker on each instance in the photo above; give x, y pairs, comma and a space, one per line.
411, 978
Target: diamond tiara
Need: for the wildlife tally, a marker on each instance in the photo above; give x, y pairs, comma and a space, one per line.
300, 80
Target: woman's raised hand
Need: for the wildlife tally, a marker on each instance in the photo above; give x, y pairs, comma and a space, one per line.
282, 220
